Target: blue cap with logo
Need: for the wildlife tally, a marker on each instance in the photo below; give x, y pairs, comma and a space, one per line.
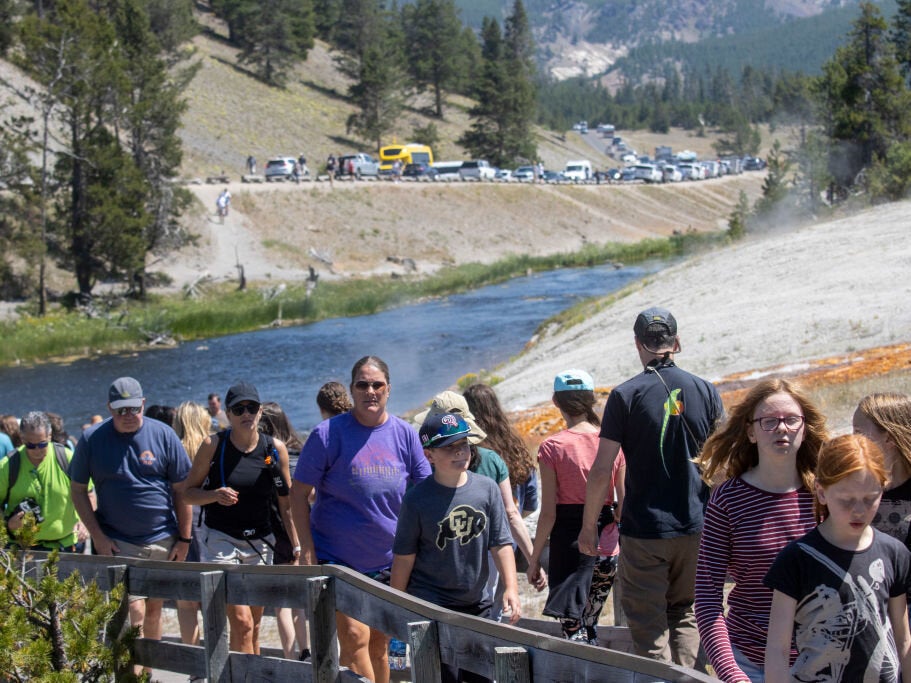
442, 429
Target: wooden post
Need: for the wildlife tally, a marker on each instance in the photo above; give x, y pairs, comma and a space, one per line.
511, 665
425, 651
213, 590
323, 629
117, 574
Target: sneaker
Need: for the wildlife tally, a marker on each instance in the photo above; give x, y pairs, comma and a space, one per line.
305, 655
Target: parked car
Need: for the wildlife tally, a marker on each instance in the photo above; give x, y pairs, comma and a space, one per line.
553, 177
671, 173
647, 172
524, 173
477, 169
753, 163
448, 170
611, 175
279, 168
629, 158
628, 174
360, 165
503, 175
578, 169
692, 171
420, 171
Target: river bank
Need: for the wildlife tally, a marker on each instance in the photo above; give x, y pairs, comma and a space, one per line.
776, 303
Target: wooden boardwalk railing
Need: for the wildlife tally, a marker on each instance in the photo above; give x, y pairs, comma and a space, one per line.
506, 653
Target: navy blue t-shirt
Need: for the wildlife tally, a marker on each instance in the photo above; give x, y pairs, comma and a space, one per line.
661, 429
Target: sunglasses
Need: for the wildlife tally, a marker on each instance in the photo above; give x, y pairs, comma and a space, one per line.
128, 411
242, 408
35, 446
363, 385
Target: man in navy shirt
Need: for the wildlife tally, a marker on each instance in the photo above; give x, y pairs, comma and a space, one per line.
134, 465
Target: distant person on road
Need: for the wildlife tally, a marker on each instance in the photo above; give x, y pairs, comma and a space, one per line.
296, 172
397, 170
660, 418
223, 203
251, 165
331, 167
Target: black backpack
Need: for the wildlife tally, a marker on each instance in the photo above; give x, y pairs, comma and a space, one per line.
15, 459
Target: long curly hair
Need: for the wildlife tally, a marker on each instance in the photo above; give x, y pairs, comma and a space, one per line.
728, 452
501, 437
333, 398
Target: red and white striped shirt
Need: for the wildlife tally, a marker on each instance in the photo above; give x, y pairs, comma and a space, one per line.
745, 529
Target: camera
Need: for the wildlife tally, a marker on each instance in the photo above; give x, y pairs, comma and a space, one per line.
29, 505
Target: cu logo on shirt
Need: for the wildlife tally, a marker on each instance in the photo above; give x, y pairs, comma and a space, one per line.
463, 523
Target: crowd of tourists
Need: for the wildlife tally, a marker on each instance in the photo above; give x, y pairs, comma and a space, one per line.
751, 542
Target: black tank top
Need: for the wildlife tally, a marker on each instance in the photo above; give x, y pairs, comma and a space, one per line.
254, 477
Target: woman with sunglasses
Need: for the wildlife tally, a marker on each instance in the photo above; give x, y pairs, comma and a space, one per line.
762, 459
41, 486
234, 476
359, 463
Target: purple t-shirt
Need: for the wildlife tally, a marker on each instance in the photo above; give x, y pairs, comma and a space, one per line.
360, 475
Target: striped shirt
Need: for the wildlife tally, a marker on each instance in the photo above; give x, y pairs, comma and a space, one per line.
745, 528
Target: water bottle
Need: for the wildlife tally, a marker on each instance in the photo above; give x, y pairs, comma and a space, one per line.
397, 655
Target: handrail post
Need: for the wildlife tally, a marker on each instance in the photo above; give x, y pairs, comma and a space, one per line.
323, 628
425, 651
117, 574
511, 665
213, 590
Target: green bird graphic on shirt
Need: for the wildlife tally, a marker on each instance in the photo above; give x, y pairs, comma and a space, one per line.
672, 406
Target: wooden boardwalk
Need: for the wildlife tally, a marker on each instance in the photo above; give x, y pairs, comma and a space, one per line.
505, 653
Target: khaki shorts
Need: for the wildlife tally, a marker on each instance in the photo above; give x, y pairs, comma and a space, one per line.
159, 550
221, 548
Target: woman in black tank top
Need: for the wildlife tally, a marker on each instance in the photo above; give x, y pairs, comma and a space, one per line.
233, 477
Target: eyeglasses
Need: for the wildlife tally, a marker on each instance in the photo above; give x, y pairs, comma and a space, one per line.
363, 385
35, 446
242, 408
769, 424
128, 411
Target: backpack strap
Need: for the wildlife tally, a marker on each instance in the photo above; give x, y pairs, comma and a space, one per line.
62, 461
14, 459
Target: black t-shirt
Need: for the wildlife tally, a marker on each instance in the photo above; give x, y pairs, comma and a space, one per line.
661, 426
252, 475
894, 514
841, 624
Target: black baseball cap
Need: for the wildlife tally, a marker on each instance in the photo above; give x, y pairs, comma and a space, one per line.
654, 321
241, 391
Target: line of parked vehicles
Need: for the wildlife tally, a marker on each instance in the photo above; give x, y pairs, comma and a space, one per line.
415, 162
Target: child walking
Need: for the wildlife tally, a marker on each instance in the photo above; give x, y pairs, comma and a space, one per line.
446, 526
840, 589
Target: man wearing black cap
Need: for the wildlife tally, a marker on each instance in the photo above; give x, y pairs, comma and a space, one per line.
660, 418
134, 465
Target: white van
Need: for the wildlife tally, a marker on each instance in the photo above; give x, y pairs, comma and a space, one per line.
580, 169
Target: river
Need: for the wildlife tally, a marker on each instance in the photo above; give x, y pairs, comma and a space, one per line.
427, 346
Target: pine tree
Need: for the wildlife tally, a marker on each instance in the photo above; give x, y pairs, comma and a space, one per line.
371, 48
863, 98
275, 34
775, 184
433, 36
505, 92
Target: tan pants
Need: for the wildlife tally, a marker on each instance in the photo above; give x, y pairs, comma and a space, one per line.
657, 587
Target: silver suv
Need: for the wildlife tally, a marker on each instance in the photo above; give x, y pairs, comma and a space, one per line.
279, 168
477, 169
